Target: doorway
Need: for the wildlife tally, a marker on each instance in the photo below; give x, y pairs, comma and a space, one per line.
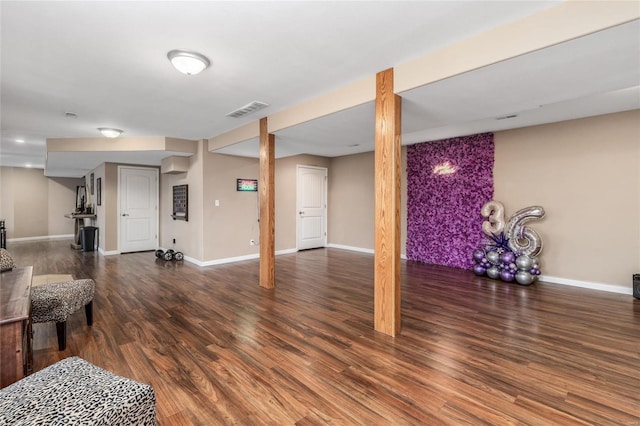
311, 202
137, 209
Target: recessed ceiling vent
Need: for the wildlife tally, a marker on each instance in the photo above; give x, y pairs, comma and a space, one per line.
247, 109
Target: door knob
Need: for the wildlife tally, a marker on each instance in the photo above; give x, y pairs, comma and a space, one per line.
300, 212
125, 214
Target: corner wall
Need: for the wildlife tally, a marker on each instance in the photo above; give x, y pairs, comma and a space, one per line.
585, 174
189, 234
221, 233
229, 226
34, 205
351, 201
286, 194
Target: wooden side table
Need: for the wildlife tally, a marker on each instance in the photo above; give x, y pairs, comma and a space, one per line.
16, 352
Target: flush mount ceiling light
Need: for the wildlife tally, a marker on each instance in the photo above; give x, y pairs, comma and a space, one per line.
110, 133
188, 62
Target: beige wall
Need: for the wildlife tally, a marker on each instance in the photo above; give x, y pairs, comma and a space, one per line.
351, 201
224, 231
62, 200
101, 210
110, 206
285, 188
31, 203
107, 216
585, 174
6, 198
34, 205
229, 226
189, 235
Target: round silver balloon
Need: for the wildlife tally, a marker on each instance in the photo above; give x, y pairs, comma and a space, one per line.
524, 277
494, 212
522, 239
524, 262
493, 272
493, 257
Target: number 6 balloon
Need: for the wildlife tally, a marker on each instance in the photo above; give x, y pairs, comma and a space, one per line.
522, 239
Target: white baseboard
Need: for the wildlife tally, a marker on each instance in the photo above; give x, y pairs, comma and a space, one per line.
221, 261
108, 253
40, 238
234, 259
359, 249
545, 278
587, 284
286, 251
351, 248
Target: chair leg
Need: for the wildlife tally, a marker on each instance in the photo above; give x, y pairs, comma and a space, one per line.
88, 310
61, 330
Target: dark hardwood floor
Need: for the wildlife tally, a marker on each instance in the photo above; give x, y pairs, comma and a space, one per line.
219, 349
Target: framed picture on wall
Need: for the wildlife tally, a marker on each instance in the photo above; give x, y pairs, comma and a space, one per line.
91, 184
99, 191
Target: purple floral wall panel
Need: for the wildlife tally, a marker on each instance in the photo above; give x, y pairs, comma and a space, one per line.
448, 182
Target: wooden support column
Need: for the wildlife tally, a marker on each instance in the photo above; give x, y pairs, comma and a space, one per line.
267, 207
387, 206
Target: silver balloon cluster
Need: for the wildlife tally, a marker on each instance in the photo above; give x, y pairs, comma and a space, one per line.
512, 253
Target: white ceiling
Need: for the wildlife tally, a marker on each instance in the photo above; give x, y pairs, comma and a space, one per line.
106, 61
592, 75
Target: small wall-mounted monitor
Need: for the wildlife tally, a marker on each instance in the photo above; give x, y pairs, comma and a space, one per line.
247, 185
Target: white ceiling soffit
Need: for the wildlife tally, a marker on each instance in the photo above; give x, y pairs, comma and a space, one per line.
592, 75
79, 163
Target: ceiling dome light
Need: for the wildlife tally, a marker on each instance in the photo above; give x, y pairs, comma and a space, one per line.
188, 62
110, 133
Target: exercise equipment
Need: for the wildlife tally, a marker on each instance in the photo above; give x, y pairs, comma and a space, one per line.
169, 255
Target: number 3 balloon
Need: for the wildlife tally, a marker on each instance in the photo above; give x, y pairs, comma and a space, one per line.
494, 212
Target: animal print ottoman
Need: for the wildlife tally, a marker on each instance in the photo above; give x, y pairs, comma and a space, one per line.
76, 392
6, 261
56, 301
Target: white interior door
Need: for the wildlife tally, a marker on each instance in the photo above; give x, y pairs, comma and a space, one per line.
312, 207
138, 205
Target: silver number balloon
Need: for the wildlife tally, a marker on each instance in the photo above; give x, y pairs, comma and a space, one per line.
494, 212
522, 239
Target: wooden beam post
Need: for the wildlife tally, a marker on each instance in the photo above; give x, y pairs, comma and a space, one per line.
387, 205
267, 207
